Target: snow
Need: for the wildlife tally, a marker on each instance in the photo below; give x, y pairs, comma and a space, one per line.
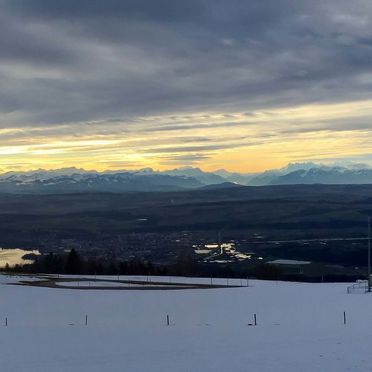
300, 328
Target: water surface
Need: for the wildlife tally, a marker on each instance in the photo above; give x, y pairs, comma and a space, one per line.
15, 256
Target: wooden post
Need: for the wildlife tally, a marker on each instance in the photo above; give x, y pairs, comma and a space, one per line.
344, 317
167, 320
6, 322
255, 319
86, 320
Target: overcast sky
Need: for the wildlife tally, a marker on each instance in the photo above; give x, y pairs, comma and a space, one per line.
237, 84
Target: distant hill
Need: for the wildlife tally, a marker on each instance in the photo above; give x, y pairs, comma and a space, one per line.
325, 176
305, 173
55, 182
206, 178
224, 185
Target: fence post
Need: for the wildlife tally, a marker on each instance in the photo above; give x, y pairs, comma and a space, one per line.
86, 320
255, 319
167, 320
344, 317
6, 322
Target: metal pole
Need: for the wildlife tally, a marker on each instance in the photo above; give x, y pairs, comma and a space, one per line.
369, 254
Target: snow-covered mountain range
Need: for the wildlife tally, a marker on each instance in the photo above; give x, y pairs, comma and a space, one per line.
69, 180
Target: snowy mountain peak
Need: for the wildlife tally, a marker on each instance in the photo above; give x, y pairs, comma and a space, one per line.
61, 180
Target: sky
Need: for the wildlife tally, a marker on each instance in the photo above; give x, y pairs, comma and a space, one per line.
241, 85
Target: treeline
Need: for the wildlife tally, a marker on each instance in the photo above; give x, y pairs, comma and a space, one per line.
73, 263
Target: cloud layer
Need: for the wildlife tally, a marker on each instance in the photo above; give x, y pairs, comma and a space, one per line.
211, 82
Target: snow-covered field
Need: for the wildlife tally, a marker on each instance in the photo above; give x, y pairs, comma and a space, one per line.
300, 328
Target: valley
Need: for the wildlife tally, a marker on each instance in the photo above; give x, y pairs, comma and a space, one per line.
324, 224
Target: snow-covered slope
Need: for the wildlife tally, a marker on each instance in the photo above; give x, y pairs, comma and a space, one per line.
325, 175
91, 181
42, 175
206, 178
300, 328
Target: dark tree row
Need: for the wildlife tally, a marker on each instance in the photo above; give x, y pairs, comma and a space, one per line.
73, 263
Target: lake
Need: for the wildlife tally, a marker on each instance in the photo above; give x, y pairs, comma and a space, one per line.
15, 256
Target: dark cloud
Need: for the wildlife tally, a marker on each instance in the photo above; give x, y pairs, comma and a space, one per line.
198, 148
160, 10
74, 61
184, 159
339, 125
